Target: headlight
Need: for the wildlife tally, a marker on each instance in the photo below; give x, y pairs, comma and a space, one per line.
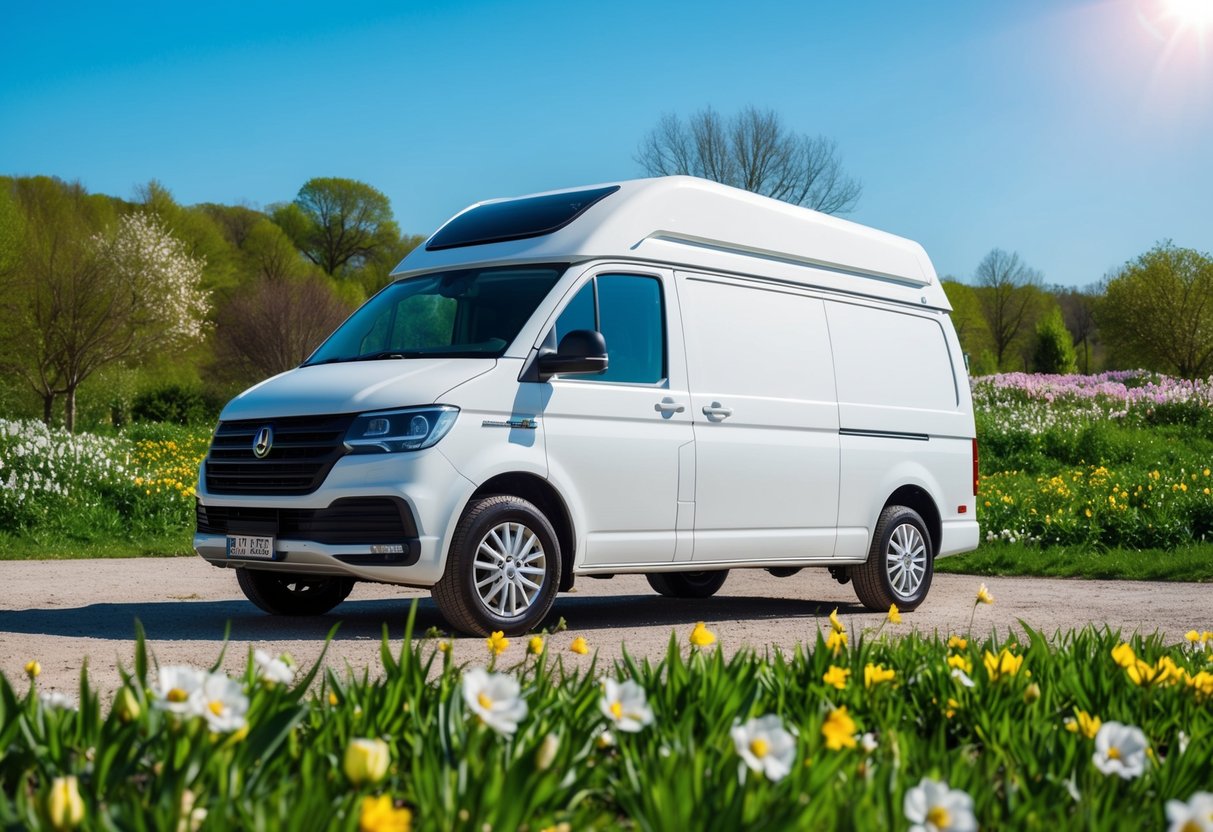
393, 431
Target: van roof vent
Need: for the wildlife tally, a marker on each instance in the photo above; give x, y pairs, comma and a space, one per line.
515, 219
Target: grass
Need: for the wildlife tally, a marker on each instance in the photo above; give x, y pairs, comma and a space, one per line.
266, 752
1185, 563
65, 547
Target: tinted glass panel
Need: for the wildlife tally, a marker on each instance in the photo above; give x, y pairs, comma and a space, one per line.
632, 322
515, 219
579, 314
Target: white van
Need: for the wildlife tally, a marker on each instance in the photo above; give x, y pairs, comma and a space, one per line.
663, 376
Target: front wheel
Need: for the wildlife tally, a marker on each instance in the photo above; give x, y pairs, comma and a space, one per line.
900, 563
503, 569
282, 593
687, 584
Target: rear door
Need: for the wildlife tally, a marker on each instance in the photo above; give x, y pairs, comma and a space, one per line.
765, 412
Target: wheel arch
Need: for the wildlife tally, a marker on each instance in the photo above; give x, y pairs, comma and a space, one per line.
917, 498
547, 499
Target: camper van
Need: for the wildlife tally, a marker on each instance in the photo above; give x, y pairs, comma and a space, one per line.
664, 376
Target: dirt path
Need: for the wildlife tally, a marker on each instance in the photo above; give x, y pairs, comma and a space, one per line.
60, 612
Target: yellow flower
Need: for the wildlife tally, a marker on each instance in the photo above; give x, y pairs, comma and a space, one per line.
958, 643
1202, 685
894, 616
835, 642
838, 730
874, 674
579, 646
497, 642
64, 807
1123, 655
1005, 663
984, 596
1083, 722
444, 646
535, 646
835, 624
380, 815
836, 676
953, 707
333, 700
1192, 636
366, 761
1164, 672
33, 669
1031, 693
701, 636
126, 705
961, 663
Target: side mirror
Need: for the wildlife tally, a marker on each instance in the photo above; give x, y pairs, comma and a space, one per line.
580, 351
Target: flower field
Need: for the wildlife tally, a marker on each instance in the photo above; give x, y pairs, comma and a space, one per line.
864, 730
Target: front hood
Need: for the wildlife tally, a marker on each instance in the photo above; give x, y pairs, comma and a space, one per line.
354, 386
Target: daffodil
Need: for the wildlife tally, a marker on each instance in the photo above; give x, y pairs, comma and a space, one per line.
875, 674
1123, 655
273, 671
1120, 750
894, 616
535, 646
64, 806
984, 596
836, 624
960, 663
175, 687
1196, 815
701, 636
494, 697
579, 646
836, 676
379, 814
933, 807
962, 677
546, 754
1202, 685
765, 746
366, 761
33, 669
56, 700
1004, 664
836, 642
838, 730
497, 643
1082, 722
957, 643
625, 705
223, 703
1031, 693
126, 705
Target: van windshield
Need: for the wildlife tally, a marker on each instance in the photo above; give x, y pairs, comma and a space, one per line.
469, 313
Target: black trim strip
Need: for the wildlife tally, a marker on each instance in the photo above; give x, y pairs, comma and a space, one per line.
884, 434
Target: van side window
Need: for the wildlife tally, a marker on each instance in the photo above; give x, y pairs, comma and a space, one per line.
628, 311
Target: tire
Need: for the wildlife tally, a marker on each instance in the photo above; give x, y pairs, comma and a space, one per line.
284, 593
687, 584
900, 563
498, 537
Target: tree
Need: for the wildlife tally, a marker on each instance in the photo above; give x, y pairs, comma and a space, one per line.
967, 318
1159, 310
1054, 348
1007, 290
1078, 312
275, 325
754, 151
338, 223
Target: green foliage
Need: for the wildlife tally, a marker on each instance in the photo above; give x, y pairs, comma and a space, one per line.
1054, 346
339, 224
177, 403
1006, 746
1186, 562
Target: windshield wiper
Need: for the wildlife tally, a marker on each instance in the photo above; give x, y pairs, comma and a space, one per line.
393, 354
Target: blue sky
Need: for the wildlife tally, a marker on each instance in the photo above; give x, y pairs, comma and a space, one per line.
1076, 133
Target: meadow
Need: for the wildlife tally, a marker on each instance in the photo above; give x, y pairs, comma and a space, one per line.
856, 730
1101, 476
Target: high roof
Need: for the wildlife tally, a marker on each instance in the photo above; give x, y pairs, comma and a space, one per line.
695, 223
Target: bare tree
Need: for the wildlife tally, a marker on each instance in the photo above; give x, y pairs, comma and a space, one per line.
754, 151
276, 324
1008, 292
1078, 311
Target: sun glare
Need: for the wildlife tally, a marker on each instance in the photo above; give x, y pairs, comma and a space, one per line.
1193, 14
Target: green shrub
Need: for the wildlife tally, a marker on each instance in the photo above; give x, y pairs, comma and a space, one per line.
177, 403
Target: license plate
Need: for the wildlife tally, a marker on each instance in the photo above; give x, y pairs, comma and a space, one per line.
249, 547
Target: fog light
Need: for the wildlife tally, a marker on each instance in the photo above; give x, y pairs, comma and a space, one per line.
387, 549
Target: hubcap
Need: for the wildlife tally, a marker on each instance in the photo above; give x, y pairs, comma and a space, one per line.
906, 560
509, 569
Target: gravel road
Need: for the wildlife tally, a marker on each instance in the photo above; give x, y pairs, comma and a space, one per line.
61, 612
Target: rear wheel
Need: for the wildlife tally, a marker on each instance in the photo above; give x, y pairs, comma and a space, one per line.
283, 593
503, 570
900, 563
687, 584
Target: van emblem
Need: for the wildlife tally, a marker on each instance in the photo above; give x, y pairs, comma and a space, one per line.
263, 440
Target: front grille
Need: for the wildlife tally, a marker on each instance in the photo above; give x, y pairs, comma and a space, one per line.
348, 521
304, 450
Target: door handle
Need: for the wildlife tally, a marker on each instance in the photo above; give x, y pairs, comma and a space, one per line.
668, 405
716, 412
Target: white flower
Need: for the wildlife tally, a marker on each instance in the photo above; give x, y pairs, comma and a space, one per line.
273, 671
868, 743
765, 746
604, 738
174, 689
1120, 750
626, 705
495, 698
962, 677
932, 807
222, 703
57, 699
1194, 816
